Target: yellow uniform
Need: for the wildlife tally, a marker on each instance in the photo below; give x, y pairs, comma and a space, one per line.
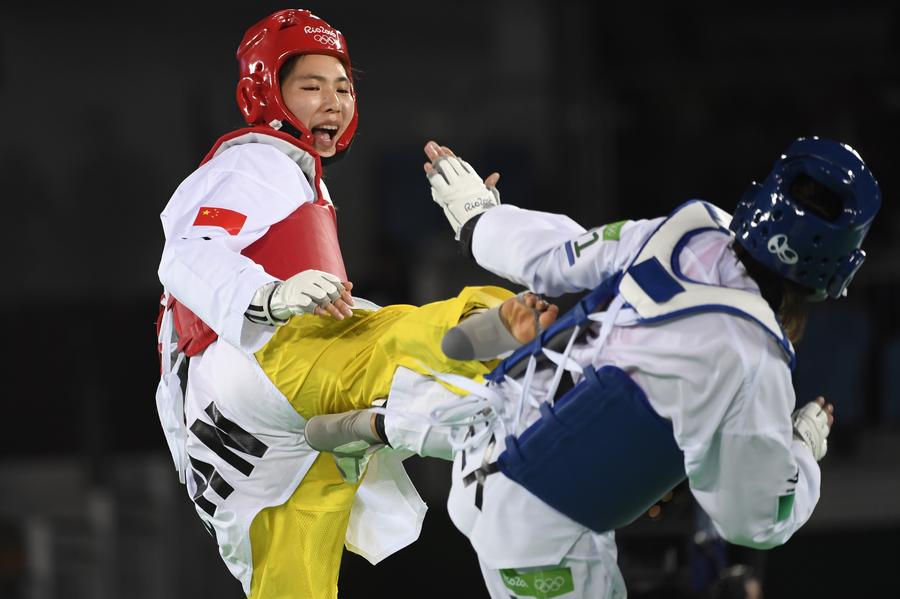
327, 366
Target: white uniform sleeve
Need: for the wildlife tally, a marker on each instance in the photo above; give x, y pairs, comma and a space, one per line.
202, 266
551, 253
756, 482
769, 493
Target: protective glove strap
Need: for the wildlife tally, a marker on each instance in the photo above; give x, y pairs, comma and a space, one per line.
260, 308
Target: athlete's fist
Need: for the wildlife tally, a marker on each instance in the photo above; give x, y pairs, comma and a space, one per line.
812, 423
308, 292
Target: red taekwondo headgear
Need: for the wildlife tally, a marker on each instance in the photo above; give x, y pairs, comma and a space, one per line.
265, 48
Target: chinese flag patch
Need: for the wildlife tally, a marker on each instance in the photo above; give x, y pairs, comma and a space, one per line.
227, 219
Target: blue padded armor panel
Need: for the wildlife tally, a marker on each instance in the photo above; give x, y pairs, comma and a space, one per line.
600, 455
655, 281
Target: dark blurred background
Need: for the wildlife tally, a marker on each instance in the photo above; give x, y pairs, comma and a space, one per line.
602, 112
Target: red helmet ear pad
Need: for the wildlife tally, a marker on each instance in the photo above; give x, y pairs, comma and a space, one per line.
265, 47
251, 98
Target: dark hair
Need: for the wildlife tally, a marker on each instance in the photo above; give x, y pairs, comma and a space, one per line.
786, 298
287, 67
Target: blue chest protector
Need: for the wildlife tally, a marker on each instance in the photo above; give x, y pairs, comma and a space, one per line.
601, 455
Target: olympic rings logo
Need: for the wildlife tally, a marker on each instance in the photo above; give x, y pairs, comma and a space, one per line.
325, 40
548, 585
778, 245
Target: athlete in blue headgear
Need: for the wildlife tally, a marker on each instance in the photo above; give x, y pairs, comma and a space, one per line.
676, 364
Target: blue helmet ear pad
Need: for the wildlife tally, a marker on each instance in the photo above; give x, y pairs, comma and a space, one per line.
837, 286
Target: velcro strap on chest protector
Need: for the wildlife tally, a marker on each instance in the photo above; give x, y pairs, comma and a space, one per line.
601, 455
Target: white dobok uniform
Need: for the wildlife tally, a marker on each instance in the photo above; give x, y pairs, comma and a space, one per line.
264, 179
722, 380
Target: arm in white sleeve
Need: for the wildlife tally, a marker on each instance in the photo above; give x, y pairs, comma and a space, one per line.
215, 282
761, 485
551, 253
767, 489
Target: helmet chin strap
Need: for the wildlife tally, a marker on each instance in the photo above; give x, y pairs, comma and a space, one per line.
287, 127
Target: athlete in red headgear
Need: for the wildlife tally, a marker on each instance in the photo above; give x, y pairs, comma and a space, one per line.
251, 242
268, 96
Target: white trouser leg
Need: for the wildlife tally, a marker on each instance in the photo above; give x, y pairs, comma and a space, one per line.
589, 571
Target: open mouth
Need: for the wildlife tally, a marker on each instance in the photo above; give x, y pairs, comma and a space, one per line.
325, 134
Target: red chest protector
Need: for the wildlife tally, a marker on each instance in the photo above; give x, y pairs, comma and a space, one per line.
306, 238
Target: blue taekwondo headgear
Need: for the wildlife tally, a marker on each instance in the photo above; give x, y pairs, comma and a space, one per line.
790, 239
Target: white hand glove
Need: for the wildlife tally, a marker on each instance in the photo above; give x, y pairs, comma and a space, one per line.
811, 427
275, 303
460, 191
